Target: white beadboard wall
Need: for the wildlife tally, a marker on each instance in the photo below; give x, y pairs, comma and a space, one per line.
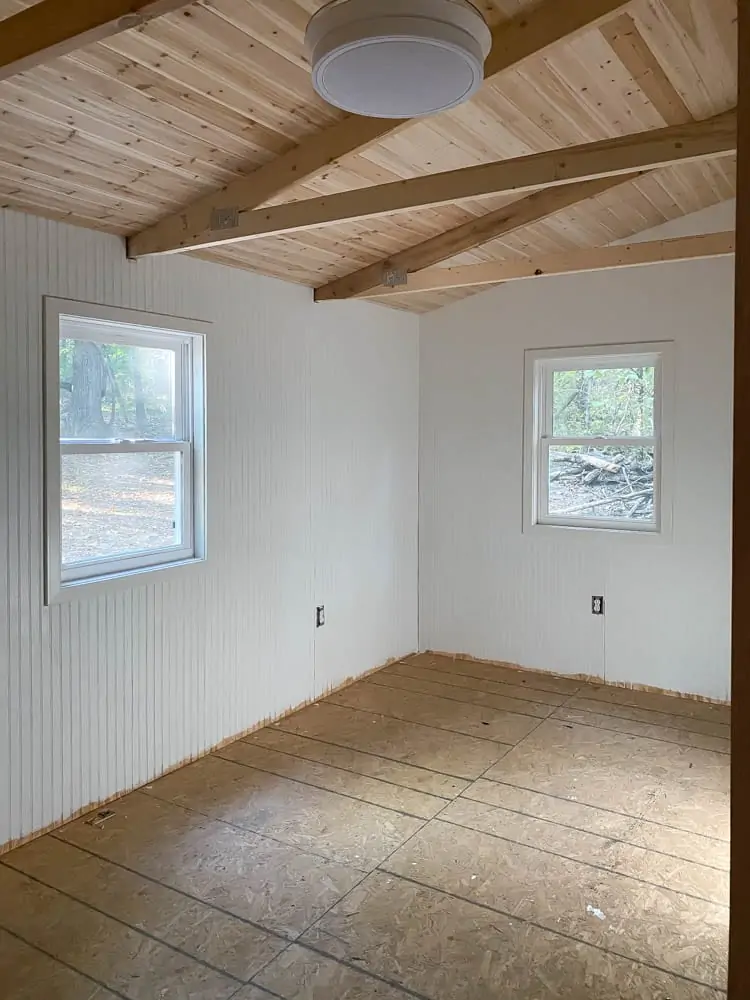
490, 591
312, 460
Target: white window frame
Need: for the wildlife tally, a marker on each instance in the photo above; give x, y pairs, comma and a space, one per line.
538, 438
104, 324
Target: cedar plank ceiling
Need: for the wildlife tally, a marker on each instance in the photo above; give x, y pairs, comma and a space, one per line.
126, 131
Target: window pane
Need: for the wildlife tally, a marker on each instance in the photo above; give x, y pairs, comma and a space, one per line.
116, 505
116, 391
603, 402
606, 483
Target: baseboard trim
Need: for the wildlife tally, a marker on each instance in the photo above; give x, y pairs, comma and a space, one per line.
11, 845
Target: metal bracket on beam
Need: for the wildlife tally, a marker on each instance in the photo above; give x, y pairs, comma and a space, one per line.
395, 277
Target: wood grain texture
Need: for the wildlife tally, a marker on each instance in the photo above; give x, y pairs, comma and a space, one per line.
587, 161
633, 51
125, 132
244, 875
53, 28
623, 35
602, 258
514, 42
503, 221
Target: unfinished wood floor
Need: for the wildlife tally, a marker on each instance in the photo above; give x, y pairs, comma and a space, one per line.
443, 830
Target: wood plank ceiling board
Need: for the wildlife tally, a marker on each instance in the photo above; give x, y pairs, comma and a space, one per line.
514, 42
124, 132
652, 85
51, 28
649, 150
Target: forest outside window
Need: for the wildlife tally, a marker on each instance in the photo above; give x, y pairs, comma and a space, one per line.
124, 443
597, 426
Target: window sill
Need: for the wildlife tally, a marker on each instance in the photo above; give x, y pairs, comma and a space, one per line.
603, 534
75, 590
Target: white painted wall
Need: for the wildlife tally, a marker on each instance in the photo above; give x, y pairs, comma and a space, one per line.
490, 591
312, 455
365, 423
313, 446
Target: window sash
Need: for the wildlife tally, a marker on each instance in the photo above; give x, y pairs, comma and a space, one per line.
183, 367
70, 446
547, 369
541, 437
86, 569
601, 442
543, 515
135, 334
64, 319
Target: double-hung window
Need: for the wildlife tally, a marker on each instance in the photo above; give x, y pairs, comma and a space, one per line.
125, 481
598, 424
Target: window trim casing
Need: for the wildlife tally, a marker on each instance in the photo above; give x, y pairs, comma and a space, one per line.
102, 322
536, 419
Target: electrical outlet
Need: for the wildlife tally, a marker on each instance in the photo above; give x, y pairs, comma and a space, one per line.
597, 605
320, 616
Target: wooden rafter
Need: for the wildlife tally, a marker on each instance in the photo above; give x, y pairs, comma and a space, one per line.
525, 212
527, 35
633, 51
53, 28
609, 158
435, 279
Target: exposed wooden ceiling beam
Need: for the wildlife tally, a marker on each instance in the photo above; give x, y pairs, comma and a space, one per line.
437, 279
474, 233
635, 54
631, 48
53, 28
610, 157
524, 36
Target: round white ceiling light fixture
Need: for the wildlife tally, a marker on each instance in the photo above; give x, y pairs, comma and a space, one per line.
397, 58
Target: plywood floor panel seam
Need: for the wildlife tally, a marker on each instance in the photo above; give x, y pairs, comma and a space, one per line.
333, 854
568, 826
579, 861
533, 696
338, 767
542, 927
392, 687
343, 746
236, 826
124, 923
417, 996
276, 730
309, 784
667, 826
287, 940
392, 984
42, 951
457, 732
645, 736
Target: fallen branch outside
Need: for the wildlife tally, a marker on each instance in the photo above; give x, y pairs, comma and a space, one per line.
601, 503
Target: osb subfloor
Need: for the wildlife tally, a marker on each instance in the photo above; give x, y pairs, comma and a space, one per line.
443, 830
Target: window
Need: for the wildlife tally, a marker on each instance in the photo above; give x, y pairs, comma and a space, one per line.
597, 423
124, 443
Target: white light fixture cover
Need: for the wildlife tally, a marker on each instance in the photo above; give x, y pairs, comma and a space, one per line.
397, 58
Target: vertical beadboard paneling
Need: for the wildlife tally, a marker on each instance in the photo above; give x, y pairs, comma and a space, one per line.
103, 693
489, 590
363, 400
